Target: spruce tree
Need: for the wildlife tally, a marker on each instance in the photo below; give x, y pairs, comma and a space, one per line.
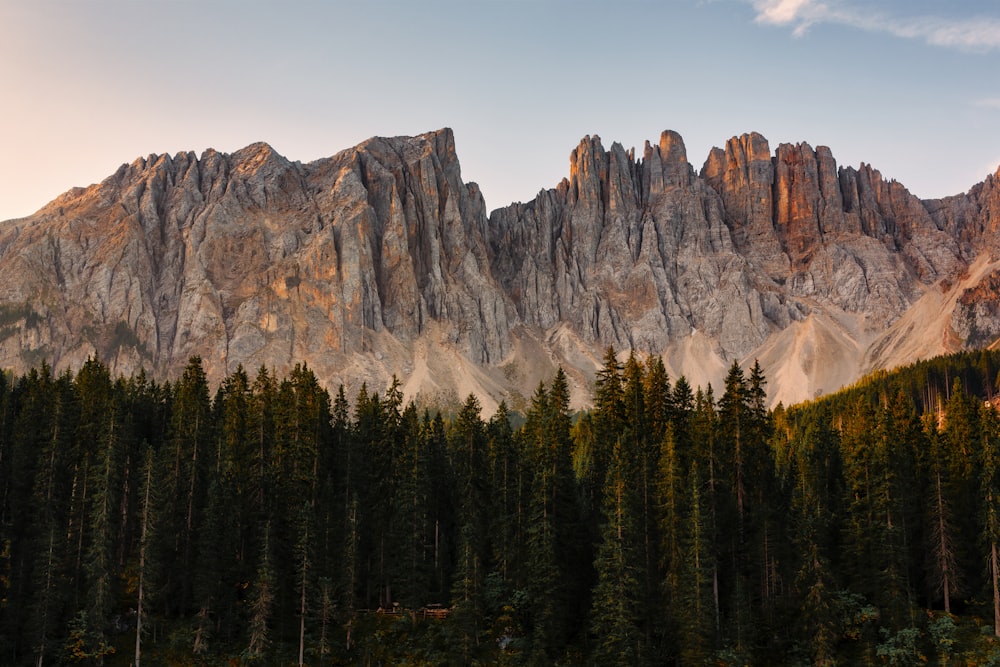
704, 455
697, 599
467, 445
508, 496
961, 440
101, 571
184, 459
616, 613
262, 602
644, 454
146, 527
670, 494
990, 492
413, 567
814, 473
43, 429
552, 544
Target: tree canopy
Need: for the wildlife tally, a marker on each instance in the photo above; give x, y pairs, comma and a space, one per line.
266, 521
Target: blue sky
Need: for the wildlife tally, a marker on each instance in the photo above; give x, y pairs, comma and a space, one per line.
909, 86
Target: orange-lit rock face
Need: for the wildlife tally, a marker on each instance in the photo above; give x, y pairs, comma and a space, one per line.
380, 260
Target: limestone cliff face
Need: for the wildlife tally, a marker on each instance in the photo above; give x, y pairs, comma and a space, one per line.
644, 253
380, 260
636, 254
251, 259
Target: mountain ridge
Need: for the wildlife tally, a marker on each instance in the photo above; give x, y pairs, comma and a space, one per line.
380, 260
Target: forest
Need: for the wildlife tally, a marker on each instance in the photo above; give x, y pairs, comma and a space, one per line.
270, 522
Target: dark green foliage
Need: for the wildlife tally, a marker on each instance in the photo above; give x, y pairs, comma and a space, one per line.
553, 543
618, 595
271, 524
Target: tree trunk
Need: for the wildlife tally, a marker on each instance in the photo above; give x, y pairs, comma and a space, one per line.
302, 602
996, 588
944, 549
142, 561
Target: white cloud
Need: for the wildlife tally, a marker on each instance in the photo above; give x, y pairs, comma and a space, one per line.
781, 11
800, 13
971, 34
989, 103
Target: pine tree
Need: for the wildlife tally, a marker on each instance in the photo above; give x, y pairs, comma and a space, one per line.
733, 425
697, 596
228, 521
100, 566
990, 491
766, 547
941, 523
262, 602
260, 428
43, 429
552, 552
213, 566
814, 474
875, 536
303, 570
658, 399
735, 444
372, 474
617, 599
644, 453
92, 386
442, 504
467, 446
183, 462
961, 440
670, 493
6, 488
145, 530
609, 423
507, 488
413, 568
302, 421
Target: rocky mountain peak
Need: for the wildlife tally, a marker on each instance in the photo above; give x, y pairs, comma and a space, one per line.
665, 165
380, 260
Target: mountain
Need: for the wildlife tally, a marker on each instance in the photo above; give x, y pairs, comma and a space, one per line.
380, 260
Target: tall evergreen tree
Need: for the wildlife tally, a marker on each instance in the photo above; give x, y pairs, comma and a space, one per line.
618, 596
101, 568
413, 566
657, 399
509, 498
183, 463
644, 454
468, 450
552, 550
44, 429
736, 446
814, 500
961, 440
670, 494
990, 492
697, 596
874, 531
262, 602
704, 455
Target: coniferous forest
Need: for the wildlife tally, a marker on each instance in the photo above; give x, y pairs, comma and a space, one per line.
268, 522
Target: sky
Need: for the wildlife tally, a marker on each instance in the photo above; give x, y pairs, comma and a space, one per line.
911, 87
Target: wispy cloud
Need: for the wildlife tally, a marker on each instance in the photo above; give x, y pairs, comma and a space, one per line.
977, 34
800, 13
